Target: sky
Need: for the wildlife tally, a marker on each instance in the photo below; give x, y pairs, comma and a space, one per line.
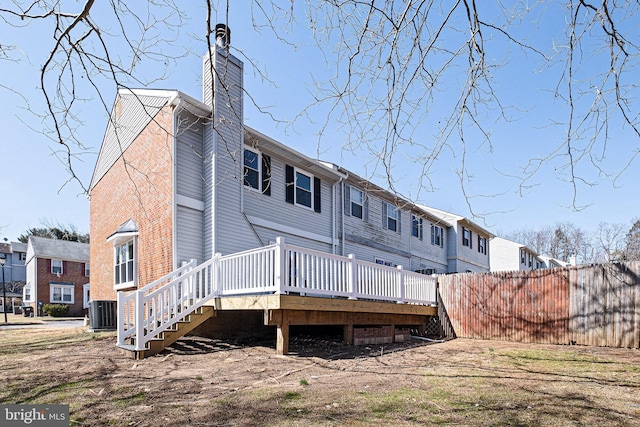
36, 189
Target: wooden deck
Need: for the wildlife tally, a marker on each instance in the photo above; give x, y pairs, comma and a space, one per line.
290, 284
283, 311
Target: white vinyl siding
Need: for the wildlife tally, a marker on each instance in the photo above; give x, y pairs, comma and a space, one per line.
276, 210
189, 157
133, 113
230, 231
189, 238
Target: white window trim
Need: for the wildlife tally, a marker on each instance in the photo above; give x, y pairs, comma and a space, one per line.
295, 187
61, 266
85, 295
62, 288
132, 283
468, 239
482, 245
24, 293
390, 208
358, 191
438, 236
87, 269
259, 154
420, 228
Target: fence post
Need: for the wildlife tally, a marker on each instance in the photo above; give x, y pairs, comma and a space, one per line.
138, 312
279, 261
352, 276
401, 282
120, 318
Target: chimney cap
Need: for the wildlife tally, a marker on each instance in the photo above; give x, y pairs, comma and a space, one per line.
223, 35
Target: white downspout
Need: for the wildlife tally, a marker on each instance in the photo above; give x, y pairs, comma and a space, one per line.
334, 228
342, 180
176, 102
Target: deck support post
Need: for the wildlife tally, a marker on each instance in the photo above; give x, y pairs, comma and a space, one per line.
282, 334
347, 334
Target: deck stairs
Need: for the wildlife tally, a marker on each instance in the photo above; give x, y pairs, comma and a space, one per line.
169, 336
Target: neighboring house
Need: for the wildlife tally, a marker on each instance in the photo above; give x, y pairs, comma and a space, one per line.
468, 249
179, 179
15, 254
550, 262
507, 255
57, 273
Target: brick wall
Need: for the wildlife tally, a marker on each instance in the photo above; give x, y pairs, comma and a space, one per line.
380, 335
139, 187
72, 272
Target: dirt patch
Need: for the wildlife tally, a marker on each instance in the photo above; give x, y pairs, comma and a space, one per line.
201, 381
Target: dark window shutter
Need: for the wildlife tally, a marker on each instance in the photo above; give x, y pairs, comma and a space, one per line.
347, 199
291, 186
317, 195
266, 175
366, 209
399, 214
385, 220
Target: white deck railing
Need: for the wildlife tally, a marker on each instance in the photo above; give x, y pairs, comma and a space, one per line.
275, 269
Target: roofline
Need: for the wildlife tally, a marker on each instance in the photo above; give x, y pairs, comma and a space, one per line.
463, 220
327, 170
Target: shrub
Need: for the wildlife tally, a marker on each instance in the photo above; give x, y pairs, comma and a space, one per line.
56, 310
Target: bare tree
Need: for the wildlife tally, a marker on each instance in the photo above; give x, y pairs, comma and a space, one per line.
395, 66
93, 49
632, 248
610, 240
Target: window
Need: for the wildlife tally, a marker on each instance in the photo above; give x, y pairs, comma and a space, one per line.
22, 256
56, 266
257, 171
60, 293
385, 262
416, 227
251, 169
357, 202
522, 260
26, 293
482, 245
87, 269
437, 237
427, 271
466, 237
124, 264
390, 217
302, 189
85, 295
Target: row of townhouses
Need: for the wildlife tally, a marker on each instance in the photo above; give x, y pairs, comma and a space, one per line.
180, 179
46, 271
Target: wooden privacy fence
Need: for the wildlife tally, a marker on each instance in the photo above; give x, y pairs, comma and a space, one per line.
597, 305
